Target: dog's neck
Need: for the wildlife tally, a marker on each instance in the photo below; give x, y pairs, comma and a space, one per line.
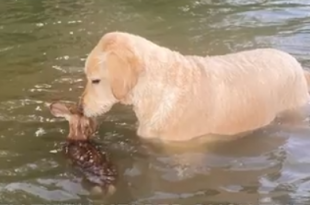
161, 86
166, 77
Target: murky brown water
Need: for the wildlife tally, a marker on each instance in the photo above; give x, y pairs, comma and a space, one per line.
43, 45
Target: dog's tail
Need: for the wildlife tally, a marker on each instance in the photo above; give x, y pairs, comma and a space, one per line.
307, 76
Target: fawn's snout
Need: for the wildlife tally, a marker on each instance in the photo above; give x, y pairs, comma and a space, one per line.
81, 127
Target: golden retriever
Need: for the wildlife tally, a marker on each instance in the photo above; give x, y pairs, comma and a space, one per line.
182, 97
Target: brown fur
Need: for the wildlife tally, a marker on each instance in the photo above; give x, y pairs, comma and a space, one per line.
84, 154
81, 127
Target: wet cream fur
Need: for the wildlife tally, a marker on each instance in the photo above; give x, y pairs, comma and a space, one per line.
180, 97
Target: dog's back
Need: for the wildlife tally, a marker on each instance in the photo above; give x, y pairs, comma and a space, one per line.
252, 87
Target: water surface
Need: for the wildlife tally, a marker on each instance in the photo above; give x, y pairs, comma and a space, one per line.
43, 46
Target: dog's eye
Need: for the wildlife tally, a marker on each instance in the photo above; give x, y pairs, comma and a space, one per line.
96, 81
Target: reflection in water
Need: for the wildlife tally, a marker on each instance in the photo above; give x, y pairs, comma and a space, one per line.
43, 46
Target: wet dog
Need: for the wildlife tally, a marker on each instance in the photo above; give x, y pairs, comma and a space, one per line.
181, 97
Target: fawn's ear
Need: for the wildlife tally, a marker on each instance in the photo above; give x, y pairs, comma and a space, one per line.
59, 109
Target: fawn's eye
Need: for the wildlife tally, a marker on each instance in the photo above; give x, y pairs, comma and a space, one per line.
96, 81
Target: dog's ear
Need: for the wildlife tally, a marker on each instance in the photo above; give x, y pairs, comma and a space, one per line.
123, 73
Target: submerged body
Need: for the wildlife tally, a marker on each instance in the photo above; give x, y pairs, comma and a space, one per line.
95, 165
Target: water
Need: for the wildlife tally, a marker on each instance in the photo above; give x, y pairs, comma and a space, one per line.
43, 46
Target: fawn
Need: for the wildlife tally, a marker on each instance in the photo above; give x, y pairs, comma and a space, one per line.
82, 153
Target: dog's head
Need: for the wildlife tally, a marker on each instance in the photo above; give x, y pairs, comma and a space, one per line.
112, 70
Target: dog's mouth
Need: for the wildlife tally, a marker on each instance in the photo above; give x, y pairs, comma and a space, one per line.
94, 113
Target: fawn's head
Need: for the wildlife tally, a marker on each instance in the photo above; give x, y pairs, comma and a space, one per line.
81, 127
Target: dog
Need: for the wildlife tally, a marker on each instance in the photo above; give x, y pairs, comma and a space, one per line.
179, 97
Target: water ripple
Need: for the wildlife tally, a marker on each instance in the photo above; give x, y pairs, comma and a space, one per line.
43, 47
